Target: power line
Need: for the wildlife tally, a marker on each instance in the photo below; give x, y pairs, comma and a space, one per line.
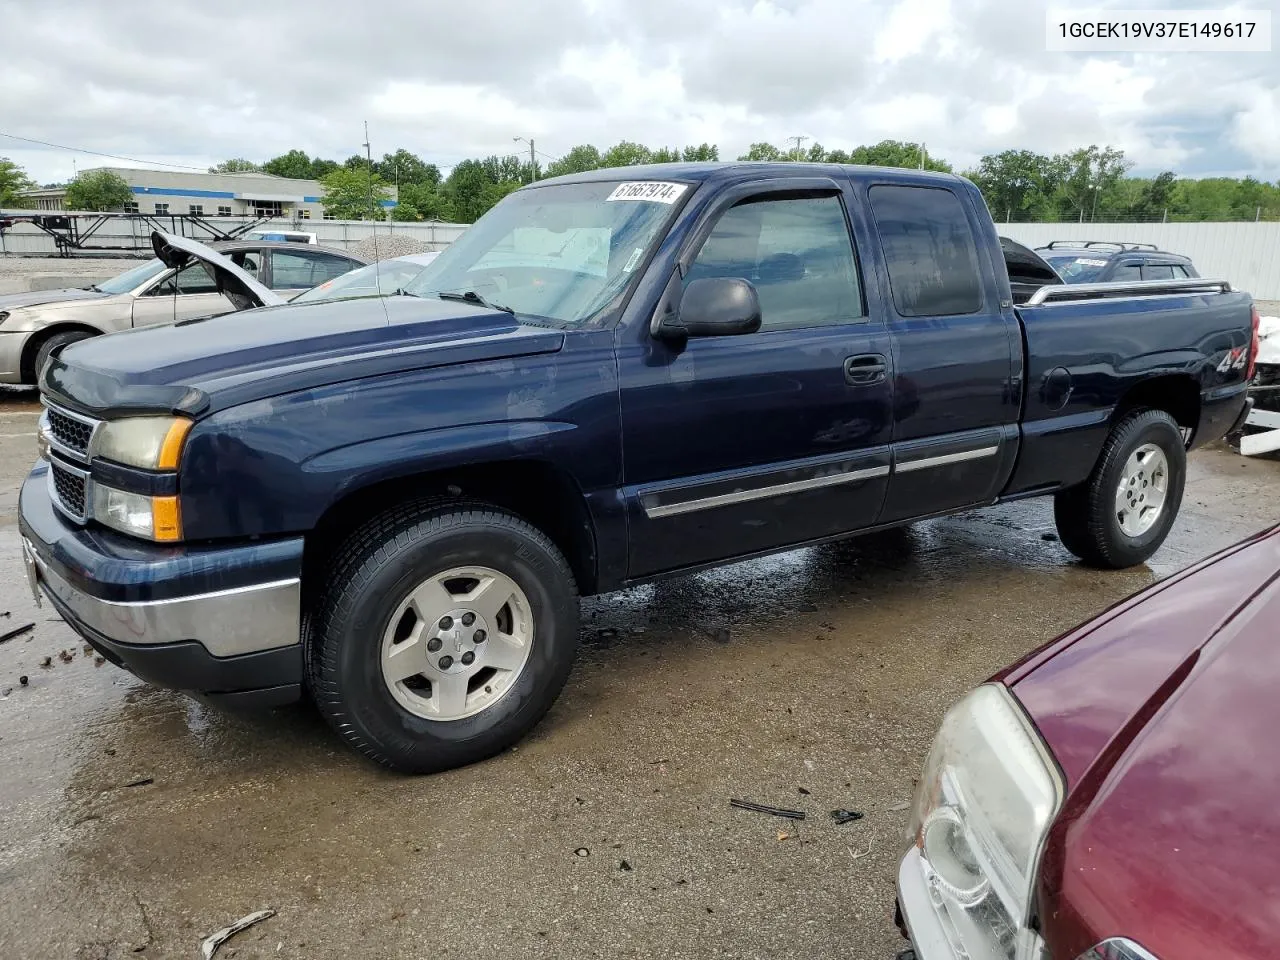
97, 153
798, 141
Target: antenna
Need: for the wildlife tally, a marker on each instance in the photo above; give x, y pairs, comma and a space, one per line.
377, 260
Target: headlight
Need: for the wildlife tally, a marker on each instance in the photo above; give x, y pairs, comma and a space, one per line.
987, 796
156, 518
153, 443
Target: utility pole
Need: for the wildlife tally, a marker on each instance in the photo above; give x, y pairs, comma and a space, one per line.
922, 149
796, 152
533, 160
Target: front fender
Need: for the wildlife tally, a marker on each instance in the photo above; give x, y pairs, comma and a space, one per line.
360, 465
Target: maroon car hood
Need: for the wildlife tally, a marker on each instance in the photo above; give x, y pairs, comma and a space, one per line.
1164, 716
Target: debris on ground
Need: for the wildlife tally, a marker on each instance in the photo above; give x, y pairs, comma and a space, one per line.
762, 808
141, 782
783, 835
624, 866
1049, 537
803, 791
23, 680
16, 632
900, 805
99, 661
582, 852
46, 662
212, 942
842, 816
66, 656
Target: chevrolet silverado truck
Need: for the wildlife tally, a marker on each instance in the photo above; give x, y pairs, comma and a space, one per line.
391, 505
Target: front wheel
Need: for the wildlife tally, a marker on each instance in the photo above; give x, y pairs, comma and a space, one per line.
1122, 514
443, 636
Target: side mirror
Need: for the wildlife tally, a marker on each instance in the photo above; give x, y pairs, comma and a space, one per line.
714, 307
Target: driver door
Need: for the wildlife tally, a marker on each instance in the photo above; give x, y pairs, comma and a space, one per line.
186, 295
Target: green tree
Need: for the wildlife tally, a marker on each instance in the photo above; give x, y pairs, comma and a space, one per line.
356, 162
762, 151
295, 164
98, 190
665, 155
1017, 184
816, 153
421, 201
626, 154
702, 152
322, 168
476, 185
13, 182
897, 153
578, 160
1087, 175
407, 167
839, 156
347, 194
236, 165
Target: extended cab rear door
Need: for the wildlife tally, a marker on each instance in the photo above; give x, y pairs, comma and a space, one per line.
734, 445
957, 348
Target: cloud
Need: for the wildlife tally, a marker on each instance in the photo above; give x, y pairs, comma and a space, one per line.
195, 84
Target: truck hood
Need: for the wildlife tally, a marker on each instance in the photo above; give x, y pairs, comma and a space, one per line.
200, 366
36, 298
1163, 716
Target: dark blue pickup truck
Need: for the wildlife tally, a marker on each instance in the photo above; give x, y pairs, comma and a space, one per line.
392, 504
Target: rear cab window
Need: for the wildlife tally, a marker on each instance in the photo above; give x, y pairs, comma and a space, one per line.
929, 250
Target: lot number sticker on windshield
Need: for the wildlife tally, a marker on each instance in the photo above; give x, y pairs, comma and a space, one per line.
1091, 263
652, 190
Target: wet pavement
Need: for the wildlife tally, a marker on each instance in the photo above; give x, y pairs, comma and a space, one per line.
133, 822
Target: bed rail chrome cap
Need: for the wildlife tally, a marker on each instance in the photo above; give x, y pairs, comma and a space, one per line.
1072, 292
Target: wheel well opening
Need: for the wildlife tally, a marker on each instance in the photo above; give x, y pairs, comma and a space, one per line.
534, 490
32, 347
1177, 395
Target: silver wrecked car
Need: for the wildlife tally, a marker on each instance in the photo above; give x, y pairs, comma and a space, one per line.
35, 324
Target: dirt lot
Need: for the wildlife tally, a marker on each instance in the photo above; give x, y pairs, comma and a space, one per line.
134, 821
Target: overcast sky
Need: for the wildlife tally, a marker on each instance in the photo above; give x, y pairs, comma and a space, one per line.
195, 84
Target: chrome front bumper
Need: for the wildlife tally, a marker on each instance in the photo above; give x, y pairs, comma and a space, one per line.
227, 623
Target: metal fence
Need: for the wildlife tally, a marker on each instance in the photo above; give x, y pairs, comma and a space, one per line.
1246, 254
26, 240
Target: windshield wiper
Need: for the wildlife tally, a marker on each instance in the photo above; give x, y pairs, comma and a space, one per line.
94, 287
470, 296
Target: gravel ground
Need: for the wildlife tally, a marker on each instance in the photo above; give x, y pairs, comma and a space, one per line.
388, 247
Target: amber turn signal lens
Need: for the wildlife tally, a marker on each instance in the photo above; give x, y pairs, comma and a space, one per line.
171, 448
166, 517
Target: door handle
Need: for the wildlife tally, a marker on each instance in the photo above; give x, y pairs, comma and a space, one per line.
864, 369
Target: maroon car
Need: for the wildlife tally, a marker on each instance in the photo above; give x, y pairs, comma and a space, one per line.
1116, 794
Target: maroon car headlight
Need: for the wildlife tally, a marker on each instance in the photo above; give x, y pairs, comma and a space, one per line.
989, 792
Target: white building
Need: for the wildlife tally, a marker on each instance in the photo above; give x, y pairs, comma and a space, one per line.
163, 192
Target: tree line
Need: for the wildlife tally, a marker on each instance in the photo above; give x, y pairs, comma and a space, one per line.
1090, 184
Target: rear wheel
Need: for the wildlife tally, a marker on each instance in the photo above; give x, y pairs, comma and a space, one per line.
443, 635
1122, 514
52, 345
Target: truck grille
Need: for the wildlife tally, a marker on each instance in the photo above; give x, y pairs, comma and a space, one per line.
71, 431
70, 489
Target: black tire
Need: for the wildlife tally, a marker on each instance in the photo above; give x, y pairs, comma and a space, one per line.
374, 571
55, 343
1086, 516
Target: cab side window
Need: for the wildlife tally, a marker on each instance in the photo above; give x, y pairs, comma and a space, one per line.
796, 251
1158, 271
929, 250
1126, 273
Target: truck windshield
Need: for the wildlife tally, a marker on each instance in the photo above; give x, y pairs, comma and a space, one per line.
555, 254
1077, 269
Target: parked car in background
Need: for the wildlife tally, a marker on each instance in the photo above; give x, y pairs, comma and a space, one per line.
35, 324
1028, 271
1112, 795
283, 236
1100, 261
610, 378
381, 279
